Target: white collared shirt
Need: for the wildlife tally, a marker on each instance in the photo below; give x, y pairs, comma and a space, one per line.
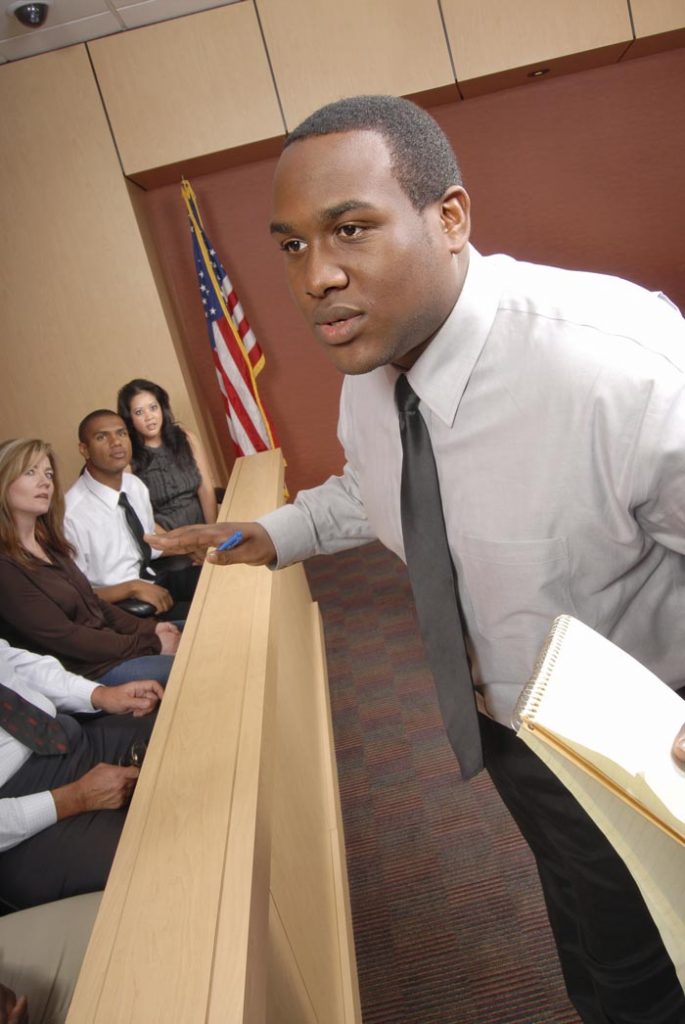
555, 402
43, 682
95, 523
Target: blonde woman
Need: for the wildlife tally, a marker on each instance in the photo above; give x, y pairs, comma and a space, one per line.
49, 606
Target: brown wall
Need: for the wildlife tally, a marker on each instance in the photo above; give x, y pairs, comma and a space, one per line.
79, 309
583, 171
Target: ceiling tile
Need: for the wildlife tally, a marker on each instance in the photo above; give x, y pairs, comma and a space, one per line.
152, 11
58, 14
59, 36
76, 21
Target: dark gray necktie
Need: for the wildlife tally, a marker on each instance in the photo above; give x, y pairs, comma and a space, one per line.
434, 583
136, 527
31, 725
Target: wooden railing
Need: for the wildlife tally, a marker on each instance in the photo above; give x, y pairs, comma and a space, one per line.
227, 901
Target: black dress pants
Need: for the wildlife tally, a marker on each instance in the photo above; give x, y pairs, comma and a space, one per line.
616, 968
73, 855
180, 577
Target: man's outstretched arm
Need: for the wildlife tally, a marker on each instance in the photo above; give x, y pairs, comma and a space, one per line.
322, 520
253, 545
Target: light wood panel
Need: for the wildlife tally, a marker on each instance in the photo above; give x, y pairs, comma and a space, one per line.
187, 88
186, 904
308, 872
80, 310
653, 16
659, 25
227, 900
322, 50
495, 44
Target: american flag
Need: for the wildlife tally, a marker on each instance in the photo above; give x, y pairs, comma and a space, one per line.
238, 358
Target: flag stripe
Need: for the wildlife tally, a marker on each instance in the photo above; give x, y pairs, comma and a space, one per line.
239, 425
243, 406
237, 356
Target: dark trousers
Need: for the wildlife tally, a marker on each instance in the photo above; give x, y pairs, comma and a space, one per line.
73, 855
180, 577
613, 960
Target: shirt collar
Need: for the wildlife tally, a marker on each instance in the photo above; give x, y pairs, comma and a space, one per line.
107, 495
440, 375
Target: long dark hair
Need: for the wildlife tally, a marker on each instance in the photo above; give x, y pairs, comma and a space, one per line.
173, 435
16, 456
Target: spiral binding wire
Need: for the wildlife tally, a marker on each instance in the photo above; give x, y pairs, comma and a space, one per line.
529, 700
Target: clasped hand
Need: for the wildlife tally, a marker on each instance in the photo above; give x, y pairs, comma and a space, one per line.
139, 697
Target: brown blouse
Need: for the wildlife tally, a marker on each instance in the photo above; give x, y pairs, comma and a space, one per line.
52, 609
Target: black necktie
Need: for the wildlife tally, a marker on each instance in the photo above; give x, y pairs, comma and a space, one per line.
31, 725
434, 583
136, 527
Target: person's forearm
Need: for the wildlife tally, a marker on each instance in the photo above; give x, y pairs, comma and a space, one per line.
323, 520
67, 690
118, 591
68, 800
208, 502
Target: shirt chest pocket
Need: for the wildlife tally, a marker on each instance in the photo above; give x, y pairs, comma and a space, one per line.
511, 590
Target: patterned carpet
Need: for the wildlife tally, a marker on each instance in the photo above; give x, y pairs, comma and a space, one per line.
448, 917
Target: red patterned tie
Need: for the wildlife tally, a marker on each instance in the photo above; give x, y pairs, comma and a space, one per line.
32, 726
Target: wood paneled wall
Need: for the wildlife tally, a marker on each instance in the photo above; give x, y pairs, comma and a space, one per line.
322, 51
181, 93
659, 25
80, 310
497, 45
187, 88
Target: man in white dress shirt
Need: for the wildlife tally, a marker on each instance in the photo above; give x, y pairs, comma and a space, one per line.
61, 814
555, 405
95, 522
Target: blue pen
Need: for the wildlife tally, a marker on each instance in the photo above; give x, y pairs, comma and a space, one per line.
231, 542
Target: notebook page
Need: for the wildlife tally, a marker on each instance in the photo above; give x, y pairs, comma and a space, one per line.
656, 862
599, 699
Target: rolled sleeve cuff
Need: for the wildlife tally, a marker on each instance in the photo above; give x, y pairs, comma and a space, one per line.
291, 531
40, 812
27, 816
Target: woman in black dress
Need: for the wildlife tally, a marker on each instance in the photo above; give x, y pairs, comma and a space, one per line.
167, 458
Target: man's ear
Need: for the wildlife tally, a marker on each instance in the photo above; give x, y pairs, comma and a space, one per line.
83, 449
455, 216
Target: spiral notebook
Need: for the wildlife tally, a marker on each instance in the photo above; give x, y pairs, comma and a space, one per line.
604, 725
610, 715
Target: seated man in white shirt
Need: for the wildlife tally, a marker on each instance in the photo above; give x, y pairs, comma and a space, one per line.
103, 531
54, 839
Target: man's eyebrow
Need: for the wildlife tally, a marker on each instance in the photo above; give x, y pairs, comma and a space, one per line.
281, 229
333, 212
325, 216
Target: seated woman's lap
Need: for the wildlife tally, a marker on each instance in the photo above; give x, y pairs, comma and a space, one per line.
151, 666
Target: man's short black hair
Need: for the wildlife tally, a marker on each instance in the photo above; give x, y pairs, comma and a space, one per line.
423, 159
86, 421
